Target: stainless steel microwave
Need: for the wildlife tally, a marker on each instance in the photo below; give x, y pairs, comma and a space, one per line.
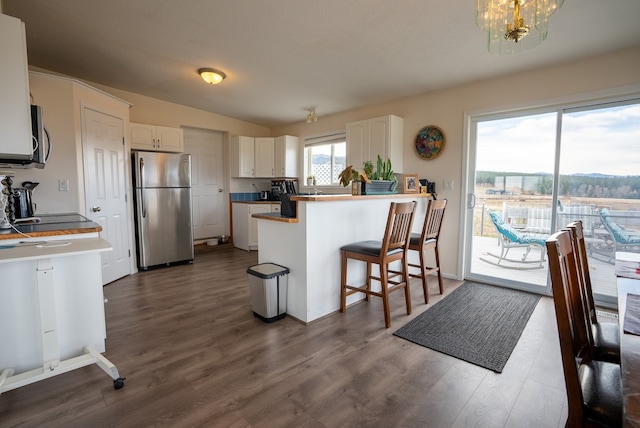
41, 144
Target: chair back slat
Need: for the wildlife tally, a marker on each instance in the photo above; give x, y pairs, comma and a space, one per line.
399, 222
580, 247
433, 219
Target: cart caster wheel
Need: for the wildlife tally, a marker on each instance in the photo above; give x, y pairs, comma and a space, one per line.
118, 383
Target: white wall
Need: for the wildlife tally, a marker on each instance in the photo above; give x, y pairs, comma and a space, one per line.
446, 108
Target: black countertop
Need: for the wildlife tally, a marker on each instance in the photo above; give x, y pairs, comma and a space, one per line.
52, 224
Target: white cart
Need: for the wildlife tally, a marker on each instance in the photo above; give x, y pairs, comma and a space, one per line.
51, 309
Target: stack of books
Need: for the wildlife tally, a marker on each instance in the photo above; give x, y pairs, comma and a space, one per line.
628, 265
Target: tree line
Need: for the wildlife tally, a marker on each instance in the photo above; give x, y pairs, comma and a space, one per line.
576, 185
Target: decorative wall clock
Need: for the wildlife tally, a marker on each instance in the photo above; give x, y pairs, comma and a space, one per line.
430, 142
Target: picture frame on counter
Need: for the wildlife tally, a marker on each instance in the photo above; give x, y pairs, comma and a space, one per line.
410, 183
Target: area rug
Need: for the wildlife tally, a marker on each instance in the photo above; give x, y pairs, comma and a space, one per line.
477, 323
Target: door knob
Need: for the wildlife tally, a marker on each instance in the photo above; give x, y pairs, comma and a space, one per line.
96, 209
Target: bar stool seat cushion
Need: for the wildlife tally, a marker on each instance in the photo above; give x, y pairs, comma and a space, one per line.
371, 248
606, 340
600, 383
414, 240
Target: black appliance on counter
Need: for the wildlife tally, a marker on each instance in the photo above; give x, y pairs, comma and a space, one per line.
283, 187
23, 204
287, 206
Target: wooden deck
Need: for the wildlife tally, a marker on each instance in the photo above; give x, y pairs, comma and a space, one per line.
602, 273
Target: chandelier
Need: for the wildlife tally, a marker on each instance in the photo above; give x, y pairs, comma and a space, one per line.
515, 25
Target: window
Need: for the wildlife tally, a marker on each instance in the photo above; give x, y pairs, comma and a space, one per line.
325, 157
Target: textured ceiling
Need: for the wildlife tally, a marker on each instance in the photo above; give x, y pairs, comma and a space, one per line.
285, 56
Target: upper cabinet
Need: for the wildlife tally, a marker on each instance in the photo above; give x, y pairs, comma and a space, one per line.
264, 157
366, 139
15, 111
243, 156
286, 156
158, 138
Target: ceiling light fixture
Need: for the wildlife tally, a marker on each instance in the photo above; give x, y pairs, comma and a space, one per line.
515, 25
211, 75
312, 116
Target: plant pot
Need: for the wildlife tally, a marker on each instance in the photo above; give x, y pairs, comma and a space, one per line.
356, 188
379, 187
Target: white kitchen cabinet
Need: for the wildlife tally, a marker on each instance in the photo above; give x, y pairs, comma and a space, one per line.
245, 227
286, 156
15, 111
275, 208
158, 138
265, 156
366, 139
242, 156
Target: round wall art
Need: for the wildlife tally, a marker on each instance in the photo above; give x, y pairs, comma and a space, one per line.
430, 142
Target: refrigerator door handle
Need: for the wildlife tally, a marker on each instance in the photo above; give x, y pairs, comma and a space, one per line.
142, 203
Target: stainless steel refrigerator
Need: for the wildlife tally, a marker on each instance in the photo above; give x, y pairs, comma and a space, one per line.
162, 200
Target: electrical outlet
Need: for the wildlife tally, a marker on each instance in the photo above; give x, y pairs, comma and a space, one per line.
448, 185
63, 185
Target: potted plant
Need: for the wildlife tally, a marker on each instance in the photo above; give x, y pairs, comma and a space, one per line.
383, 179
353, 176
311, 180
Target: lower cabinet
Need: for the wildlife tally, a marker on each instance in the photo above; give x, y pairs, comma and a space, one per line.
245, 227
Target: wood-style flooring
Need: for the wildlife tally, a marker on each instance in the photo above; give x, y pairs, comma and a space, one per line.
194, 355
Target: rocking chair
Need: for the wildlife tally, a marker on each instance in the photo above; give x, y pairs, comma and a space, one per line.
513, 238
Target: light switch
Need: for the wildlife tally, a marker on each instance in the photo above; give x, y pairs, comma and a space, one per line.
448, 185
63, 185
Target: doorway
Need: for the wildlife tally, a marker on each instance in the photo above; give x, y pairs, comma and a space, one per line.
539, 170
105, 175
207, 182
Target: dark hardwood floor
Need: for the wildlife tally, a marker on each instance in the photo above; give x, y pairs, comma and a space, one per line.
194, 355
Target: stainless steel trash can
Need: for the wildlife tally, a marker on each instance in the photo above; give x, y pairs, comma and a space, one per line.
268, 285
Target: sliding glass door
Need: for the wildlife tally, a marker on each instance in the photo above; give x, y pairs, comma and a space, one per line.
533, 172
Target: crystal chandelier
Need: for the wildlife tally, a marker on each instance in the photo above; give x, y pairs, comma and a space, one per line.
515, 25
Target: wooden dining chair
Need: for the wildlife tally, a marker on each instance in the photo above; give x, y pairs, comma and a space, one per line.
605, 335
594, 390
393, 248
428, 240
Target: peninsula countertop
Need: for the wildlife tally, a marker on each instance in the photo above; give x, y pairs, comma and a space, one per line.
52, 225
334, 198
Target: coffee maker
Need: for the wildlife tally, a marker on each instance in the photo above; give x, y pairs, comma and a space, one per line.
23, 204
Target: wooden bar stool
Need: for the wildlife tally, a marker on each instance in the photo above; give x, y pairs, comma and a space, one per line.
392, 248
426, 240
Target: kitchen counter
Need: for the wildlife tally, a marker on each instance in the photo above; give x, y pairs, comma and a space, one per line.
52, 225
334, 198
256, 202
350, 197
274, 216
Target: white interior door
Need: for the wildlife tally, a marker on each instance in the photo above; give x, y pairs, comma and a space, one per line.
104, 162
207, 178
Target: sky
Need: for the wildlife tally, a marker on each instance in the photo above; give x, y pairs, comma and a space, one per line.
605, 141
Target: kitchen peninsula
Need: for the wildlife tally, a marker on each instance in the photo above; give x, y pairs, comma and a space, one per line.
52, 318
309, 245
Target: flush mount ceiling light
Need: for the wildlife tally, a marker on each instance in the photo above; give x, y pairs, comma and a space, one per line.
211, 75
515, 25
312, 116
